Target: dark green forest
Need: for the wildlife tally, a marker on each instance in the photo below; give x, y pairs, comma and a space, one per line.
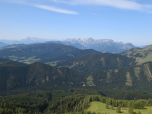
64, 101
98, 62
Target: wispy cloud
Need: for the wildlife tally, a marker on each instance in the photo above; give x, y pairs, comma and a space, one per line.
46, 7
121, 4
55, 9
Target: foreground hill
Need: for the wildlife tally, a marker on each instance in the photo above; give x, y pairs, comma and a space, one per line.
141, 55
98, 62
46, 52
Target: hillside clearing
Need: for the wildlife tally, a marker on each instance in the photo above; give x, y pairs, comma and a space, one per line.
100, 107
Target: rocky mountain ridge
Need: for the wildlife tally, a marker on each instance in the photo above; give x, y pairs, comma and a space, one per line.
102, 45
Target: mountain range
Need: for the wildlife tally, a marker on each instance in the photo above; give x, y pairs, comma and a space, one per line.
102, 45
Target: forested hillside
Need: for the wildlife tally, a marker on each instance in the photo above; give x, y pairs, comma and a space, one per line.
21, 76
135, 78
66, 102
98, 62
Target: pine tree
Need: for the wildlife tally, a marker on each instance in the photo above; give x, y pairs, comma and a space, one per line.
107, 105
118, 110
112, 106
139, 112
130, 110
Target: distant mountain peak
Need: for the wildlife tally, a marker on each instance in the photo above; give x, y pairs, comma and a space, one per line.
35, 39
91, 40
103, 45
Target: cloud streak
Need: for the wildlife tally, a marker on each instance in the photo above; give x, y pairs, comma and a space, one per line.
46, 7
121, 4
50, 8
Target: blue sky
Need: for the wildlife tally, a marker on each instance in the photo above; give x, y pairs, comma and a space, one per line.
119, 20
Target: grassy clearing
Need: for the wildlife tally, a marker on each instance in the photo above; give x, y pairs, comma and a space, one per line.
141, 60
90, 81
100, 107
129, 81
137, 71
14, 58
24, 59
141, 55
54, 63
30, 60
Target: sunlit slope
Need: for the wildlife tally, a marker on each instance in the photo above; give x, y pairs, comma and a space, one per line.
141, 55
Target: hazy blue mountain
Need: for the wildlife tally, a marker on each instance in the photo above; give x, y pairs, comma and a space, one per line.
28, 40
32, 40
2, 44
14, 46
10, 42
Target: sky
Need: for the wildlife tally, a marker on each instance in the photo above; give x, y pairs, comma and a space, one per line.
129, 21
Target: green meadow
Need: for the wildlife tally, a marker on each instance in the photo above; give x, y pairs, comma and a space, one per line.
99, 107
54, 63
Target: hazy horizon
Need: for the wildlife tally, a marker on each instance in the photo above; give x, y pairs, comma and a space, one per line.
45, 40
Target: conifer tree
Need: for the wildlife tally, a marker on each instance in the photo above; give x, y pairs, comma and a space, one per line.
118, 110
112, 106
139, 112
130, 110
107, 105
